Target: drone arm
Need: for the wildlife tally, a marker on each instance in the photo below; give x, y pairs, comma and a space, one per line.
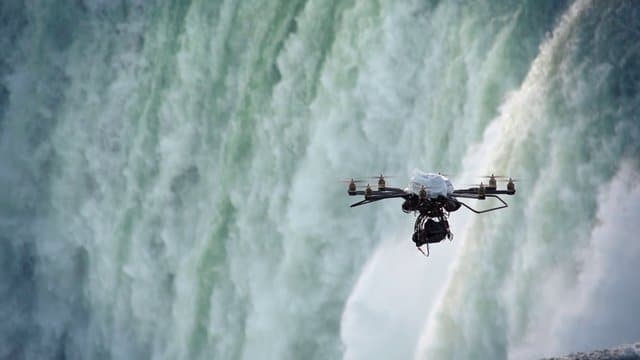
500, 192
385, 191
465, 195
376, 197
474, 191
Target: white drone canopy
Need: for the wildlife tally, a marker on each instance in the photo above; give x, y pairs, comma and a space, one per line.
434, 184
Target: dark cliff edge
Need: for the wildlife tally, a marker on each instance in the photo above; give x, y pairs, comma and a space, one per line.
622, 352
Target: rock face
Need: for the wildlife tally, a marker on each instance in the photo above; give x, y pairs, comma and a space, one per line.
622, 352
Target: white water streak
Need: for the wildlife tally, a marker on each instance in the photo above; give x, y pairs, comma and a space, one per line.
600, 311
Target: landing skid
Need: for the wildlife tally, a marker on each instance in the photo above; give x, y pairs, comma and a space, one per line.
504, 204
420, 249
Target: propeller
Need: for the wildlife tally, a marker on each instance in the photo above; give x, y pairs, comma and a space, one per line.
494, 176
424, 192
476, 185
367, 185
352, 184
375, 187
348, 181
359, 184
381, 180
380, 176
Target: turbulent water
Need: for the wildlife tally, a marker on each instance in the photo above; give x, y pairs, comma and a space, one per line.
169, 178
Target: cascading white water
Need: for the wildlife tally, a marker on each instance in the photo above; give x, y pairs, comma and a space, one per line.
569, 128
171, 177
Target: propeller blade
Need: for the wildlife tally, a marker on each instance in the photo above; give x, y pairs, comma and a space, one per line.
351, 180
507, 180
373, 186
383, 176
494, 176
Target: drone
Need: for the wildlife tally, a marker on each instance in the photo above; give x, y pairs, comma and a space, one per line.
432, 197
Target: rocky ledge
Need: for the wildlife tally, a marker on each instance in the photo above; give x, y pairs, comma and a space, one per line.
622, 352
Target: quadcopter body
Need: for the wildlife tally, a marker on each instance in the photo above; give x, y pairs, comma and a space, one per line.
433, 197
